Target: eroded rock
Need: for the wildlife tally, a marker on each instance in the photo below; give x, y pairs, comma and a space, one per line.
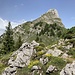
69, 69
50, 69
20, 58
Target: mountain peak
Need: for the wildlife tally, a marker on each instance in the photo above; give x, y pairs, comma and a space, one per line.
54, 12
50, 17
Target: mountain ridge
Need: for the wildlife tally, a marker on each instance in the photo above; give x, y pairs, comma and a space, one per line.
50, 17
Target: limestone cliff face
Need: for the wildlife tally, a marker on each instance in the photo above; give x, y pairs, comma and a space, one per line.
50, 17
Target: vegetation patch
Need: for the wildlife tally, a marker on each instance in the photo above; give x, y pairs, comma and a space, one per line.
58, 62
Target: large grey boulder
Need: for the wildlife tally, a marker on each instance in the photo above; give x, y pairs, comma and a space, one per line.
69, 69
20, 58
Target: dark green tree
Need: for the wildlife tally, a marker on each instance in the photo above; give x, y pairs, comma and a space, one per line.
37, 38
19, 42
52, 32
8, 42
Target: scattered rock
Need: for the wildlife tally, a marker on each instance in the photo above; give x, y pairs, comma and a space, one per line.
44, 60
61, 42
50, 69
35, 68
56, 52
68, 46
65, 55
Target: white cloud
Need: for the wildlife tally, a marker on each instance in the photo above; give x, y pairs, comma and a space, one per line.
4, 23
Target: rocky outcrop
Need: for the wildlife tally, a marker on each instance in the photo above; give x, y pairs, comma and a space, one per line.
9, 71
69, 69
36, 69
20, 58
50, 69
56, 52
44, 60
50, 17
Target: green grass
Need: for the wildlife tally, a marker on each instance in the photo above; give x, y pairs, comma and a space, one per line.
4, 61
2, 67
58, 62
71, 52
23, 71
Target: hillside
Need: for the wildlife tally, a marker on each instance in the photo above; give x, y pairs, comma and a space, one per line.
46, 26
48, 48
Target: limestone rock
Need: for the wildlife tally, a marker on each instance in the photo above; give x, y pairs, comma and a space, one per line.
35, 68
50, 69
65, 55
20, 58
69, 69
50, 17
56, 52
9, 71
44, 60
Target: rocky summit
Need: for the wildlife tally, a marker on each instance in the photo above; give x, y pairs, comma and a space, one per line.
50, 17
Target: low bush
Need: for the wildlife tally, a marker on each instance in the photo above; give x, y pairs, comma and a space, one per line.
71, 52
32, 63
58, 62
40, 53
39, 48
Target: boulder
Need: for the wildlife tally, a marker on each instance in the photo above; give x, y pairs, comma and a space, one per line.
44, 60
65, 55
69, 69
35, 68
50, 69
9, 71
56, 52
20, 58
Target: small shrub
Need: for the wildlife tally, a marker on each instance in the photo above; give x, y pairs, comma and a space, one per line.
48, 55
40, 53
23, 71
58, 62
42, 44
32, 63
71, 52
39, 48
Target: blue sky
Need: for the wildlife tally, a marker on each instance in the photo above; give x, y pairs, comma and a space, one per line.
18, 11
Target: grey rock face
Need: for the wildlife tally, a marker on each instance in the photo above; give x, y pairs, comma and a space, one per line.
50, 69
35, 68
56, 52
44, 60
69, 69
20, 58
65, 55
50, 17
9, 71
